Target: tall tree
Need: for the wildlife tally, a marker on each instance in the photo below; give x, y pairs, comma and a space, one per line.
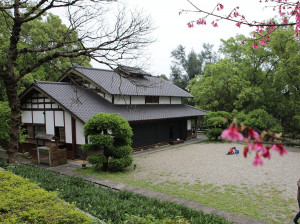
89, 34
185, 68
248, 79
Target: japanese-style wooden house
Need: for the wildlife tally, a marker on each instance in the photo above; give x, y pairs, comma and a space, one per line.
152, 106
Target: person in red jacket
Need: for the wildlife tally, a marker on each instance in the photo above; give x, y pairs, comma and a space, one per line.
298, 198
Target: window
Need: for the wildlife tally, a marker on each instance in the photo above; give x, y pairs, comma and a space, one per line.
152, 99
60, 133
34, 130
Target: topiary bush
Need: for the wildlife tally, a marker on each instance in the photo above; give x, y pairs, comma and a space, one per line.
216, 122
118, 164
112, 134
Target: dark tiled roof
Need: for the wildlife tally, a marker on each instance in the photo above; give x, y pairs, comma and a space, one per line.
84, 103
146, 85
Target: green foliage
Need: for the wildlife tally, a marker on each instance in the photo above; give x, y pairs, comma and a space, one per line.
267, 78
24, 202
118, 164
107, 204
5, 126
149, 219
104, 140
121, 151
4, 121
185, 67
3, 163
260, 120
116, 145
90, 147
216, 123
97, 160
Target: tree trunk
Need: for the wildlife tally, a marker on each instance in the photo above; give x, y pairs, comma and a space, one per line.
15, 118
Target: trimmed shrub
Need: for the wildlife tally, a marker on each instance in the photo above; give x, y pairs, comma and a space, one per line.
96, 160
24, 202
111, 133
121, 151
118, 164
216, 122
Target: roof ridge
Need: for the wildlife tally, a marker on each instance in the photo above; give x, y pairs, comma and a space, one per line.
91, 68
52, 82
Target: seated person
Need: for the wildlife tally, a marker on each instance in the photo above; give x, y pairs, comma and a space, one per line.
230, 151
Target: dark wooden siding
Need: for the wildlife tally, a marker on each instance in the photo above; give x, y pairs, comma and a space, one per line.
149, 133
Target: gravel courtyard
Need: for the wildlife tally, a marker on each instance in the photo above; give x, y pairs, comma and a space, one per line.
208, 164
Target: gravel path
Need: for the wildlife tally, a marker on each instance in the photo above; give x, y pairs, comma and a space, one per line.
209, 164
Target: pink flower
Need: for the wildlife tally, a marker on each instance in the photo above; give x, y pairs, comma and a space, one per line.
220, 7
246, 150
279, 148
266, 152
190, 25
214, 24
238, 24
263, 42
255, 45
252, 133
256, 146
232, 134
243, 42
201, 22
257, 161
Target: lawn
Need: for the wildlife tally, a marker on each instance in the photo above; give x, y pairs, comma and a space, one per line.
113, 207
193, 172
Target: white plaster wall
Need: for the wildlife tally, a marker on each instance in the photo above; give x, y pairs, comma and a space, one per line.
164, 100
175, 100
189, 125
68, 127
38, 117
54, 105
26, 117
138, 100
59, 118
108, 97
80, 139
122, 100
50, 122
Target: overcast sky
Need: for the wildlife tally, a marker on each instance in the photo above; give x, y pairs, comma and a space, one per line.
172, 28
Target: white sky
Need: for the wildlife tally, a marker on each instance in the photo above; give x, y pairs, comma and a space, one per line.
172, 29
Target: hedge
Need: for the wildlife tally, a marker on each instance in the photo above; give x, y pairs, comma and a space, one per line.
110, 205
24, 202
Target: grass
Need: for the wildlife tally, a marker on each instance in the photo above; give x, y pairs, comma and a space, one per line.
263, 203
115, 207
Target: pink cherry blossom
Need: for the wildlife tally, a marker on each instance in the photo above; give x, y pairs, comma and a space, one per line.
252, 134
214, 24
257, 161
238, 24
263, 42
246, 150
232, 134
255, 45
279, 148
190, 25
256, 146
266, 153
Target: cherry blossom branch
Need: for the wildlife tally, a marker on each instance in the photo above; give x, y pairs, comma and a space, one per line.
255, 142
287, 10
